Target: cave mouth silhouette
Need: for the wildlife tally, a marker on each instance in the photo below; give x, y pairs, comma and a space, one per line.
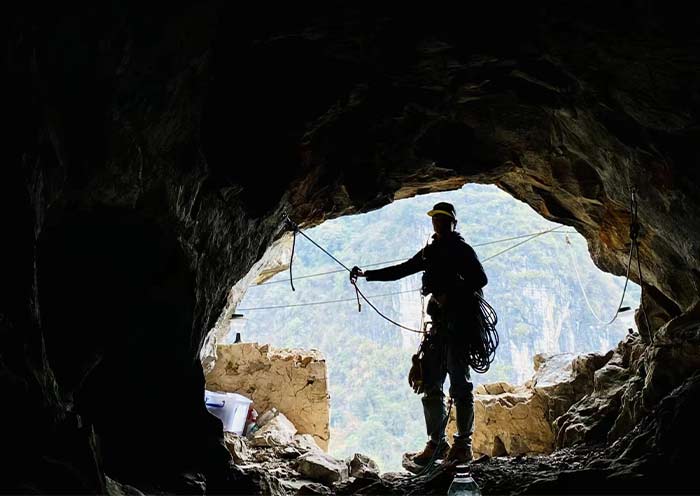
553, 318
199, 125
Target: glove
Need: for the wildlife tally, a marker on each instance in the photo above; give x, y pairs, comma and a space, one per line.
415, 375
355, 273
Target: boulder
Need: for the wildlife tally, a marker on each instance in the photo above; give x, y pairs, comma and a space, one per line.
237, 446
305, 443
293, 381
311, 488
115, 488
362, 466
277, 432
633, 382
517, 420
322, 467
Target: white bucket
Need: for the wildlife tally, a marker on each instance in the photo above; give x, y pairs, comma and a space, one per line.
230, 408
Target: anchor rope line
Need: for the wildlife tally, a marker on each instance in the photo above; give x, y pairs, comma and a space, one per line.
359, 292
583, 289
325, 302
634, 250
294, 242
374, 264
353, 280
536, 235
634, 236
365, 297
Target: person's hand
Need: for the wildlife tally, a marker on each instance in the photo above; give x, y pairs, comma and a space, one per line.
355, 273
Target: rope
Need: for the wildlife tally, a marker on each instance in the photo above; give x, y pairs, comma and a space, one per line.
536, 235
477, 245
634, 236
324, 302
583, 289
641, 302
291, 259
358, 293
296, 228
343, 300
357, 290
482, 352
634, 247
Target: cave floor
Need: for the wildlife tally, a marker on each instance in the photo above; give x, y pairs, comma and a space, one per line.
494, 475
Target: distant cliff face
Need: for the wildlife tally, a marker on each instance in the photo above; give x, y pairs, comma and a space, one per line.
153, 151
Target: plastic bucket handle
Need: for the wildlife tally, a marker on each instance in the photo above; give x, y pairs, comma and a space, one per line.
216, 405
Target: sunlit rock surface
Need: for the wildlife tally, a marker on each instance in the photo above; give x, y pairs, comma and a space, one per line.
293, 381
518, 420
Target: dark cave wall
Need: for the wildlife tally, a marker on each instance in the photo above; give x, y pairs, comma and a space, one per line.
154, 150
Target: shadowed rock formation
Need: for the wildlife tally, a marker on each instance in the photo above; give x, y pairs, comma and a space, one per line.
152, 151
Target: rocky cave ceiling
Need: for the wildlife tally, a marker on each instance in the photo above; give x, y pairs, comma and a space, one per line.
154, 149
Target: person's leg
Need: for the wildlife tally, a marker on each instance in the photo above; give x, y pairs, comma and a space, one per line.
433, 399
434, 373
461, 392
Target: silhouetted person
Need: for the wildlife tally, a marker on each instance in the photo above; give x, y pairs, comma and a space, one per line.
452, 275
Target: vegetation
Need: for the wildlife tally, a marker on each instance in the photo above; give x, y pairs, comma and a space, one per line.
533, 287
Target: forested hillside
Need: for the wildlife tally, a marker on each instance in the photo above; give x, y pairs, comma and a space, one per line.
533, 287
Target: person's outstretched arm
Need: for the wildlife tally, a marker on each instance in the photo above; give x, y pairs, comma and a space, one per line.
410, 266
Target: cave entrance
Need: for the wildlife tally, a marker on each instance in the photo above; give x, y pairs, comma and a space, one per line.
549, 295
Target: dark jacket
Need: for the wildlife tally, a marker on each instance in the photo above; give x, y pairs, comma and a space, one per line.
449, 264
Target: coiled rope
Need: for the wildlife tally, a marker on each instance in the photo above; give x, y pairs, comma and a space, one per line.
481, 352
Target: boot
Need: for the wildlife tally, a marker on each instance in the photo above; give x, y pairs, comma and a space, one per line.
428, 454
459, 453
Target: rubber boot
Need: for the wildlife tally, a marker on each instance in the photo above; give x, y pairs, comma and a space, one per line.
434, 413
461, 450
431, 453
464, 412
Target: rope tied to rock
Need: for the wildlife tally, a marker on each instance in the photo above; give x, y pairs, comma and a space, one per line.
353, 274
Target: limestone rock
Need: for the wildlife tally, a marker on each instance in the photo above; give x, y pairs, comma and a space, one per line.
277, 432
115, 488
593, 416
517, 420
363, 466
237, 446
511, 423
288, 453
322, 467
306, 443
311, 488
293, 381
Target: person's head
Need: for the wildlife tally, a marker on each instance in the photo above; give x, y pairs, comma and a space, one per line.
444, 218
